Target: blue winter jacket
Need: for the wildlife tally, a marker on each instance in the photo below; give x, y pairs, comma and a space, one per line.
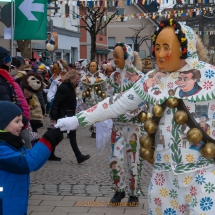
15, 166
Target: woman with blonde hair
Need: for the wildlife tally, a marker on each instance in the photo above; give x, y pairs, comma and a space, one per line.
64, 105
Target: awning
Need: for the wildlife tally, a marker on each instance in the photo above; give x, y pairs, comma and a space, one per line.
102, 51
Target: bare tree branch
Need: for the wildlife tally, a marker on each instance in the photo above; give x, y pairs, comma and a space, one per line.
93, 22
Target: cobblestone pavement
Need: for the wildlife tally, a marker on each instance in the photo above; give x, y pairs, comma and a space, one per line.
67, 179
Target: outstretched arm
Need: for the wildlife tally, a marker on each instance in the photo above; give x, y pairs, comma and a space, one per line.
109, 108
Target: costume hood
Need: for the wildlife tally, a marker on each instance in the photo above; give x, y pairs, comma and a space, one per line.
192, 57
129, 58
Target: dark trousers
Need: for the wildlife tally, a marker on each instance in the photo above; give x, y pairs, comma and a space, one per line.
73, 143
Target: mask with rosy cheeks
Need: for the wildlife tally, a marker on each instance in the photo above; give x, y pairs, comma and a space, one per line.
167, 50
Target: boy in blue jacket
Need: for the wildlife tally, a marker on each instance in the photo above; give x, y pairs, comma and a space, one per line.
16, 162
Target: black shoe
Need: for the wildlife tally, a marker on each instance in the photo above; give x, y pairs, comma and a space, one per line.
118, 196
54, 158
93, 135
133, 201
83, 158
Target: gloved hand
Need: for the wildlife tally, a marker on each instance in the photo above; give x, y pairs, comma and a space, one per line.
53, 136
67, 124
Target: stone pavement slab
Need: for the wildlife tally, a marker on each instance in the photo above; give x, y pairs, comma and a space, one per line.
59, 188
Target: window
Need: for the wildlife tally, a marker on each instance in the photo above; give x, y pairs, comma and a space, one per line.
102, 31
111, 42
121, 11
67, 12
112, 9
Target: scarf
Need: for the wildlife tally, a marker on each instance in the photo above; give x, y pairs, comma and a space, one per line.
11, 139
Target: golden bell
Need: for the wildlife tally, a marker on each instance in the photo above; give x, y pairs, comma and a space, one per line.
150, 126
99, 92
146, 141
208, 150
142, 116
151, 161
103, 95
83, 94
96, 88
194, 135
90, 88
157, 111
147, 154
172, 102
87, 93
142, 150
180, 117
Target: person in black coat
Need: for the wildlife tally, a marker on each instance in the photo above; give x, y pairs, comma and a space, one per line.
64, 105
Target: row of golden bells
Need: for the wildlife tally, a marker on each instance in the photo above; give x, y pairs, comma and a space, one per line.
97, 88
194, 135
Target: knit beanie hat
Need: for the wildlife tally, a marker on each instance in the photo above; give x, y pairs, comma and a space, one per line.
4, 56
8, 111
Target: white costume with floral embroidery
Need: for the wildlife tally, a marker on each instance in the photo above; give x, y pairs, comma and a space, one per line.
177, 161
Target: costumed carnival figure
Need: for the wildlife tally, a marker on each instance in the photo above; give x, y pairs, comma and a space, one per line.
59, 69
183, 176
127, 128
94, 87
108, 70
79, 88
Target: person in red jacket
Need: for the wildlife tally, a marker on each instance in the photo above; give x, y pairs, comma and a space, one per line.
11, 91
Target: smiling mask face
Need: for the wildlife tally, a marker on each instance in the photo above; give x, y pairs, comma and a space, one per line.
167, 50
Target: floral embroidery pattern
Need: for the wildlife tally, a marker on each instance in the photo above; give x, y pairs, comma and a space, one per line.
169, 211
105, 105
188, 180
194, 202
163, 192
209, 74
170, 85
131, 97
158, 201
206, 203
92, 108
166, 157
158, 211
209, 188
173, 194
168, 128
174, 204
188, 198
207, 85
182, 208
159, 179
189, 158
175, 183
212, 107
193, 191
200, 179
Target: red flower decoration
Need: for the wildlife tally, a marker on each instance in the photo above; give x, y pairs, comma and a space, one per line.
92, 108
161, 24
174, 26
184, 51
105, 105
153, 49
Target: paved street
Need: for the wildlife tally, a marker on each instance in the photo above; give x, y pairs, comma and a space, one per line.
67, 188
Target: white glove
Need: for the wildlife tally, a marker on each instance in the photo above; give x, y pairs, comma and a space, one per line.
67, 124
56, 82
45, 90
